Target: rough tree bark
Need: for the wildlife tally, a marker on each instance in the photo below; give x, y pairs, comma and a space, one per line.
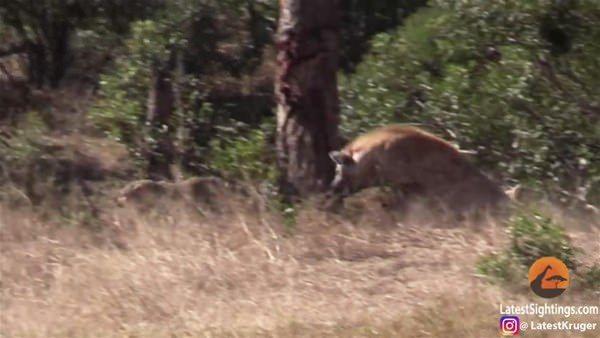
306, 93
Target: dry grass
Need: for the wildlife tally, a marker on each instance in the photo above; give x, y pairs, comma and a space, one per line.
240, 272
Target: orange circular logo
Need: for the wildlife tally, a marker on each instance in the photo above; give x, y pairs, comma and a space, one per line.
548, 277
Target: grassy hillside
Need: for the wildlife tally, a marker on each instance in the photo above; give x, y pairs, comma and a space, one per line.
241, 272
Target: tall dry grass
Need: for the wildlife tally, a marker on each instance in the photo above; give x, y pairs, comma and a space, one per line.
240, 272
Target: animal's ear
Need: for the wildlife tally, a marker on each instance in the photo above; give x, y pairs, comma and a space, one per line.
340, 158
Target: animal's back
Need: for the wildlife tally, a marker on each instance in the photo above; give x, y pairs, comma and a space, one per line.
407, 156
385, 135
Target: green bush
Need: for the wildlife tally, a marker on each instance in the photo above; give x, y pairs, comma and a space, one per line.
214, 72
246, 155
121, 108
488, 76
499, 266
24, 145
532, 236
591, 277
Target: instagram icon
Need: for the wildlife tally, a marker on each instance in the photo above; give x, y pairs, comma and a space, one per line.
510, 325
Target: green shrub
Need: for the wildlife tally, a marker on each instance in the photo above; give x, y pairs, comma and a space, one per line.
212, 84
532, 236
24, 144
246, 155
121, 108
591, 278
499, 266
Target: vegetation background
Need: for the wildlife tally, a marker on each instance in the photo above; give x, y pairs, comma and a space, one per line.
95, 94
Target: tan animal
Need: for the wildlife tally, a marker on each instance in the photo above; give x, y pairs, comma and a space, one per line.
143, 192
147, 193
417, 163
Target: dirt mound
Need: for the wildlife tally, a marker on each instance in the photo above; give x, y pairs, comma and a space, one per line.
55, 165
148, 194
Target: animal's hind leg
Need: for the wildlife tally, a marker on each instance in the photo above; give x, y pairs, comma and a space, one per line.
401, 197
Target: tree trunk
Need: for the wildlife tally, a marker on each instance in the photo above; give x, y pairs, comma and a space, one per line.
59, 49
36, 57
160, 149
306, 93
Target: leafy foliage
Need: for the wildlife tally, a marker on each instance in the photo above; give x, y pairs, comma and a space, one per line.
532, 236
212, 67
591, 277
246, 155
45, 29
361, 19
499, 266
124, 91
23, 146
515, 80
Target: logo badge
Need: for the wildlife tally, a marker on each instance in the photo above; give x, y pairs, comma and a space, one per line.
510, 326
548, 277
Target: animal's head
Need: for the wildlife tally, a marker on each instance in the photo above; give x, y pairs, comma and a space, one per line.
345, 171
